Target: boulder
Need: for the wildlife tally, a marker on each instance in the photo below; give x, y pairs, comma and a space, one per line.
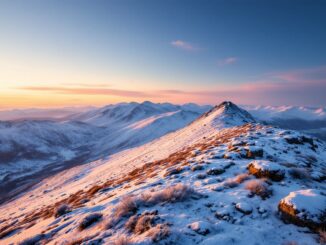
253, 152
200, 227
266, 169
244, 208
215, 171
304, 208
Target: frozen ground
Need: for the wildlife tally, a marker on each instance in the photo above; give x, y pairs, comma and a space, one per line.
223, 179
29, 147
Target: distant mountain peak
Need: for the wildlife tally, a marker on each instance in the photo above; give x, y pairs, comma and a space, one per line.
227, 106
228, 113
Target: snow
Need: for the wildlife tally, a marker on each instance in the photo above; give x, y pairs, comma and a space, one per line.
244, 207
266, 165
95, 133
311, 202
203, 142
201, 227
266, 113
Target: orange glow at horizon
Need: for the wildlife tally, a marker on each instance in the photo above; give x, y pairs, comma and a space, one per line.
15, 98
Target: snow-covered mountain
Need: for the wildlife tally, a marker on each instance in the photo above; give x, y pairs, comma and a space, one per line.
223, 179
41, 148
310, 120
40, 114
268, 113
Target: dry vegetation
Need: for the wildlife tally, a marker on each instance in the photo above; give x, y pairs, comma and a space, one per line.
138, 224
178, 192
120, 240
139, 174
159, 232
62, 210
235, 181
90, 220
322, 236
259, 188
129, 205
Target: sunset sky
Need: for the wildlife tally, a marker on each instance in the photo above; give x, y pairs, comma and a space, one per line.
66, 53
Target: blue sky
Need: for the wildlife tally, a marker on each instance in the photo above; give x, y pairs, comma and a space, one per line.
178, 51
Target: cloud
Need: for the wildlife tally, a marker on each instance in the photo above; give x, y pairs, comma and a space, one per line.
228, 61
87, 91
293, 87
313, 74
183, 45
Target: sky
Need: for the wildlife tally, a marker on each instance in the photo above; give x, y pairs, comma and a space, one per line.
69, 53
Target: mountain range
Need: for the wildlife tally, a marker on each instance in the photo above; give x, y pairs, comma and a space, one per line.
162, 174
32, 149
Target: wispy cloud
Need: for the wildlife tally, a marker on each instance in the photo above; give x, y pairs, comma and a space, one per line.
293, 87
183, 45
228, 61
87, 91
296, 87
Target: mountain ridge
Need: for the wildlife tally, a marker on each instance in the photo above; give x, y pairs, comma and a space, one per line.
29, 146
204, 183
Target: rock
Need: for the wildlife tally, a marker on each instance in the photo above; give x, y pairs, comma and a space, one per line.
223, 215
197, 167
244, 208
231, 155
201, 176
304, 208
266, 169
200, 227
253, 152
299, 140
215, 171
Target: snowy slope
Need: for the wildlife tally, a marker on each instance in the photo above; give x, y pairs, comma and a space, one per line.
193, 186
39, 148
310, 120
40, 114
268, 113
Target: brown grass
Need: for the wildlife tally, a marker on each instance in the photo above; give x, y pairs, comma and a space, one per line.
178, 192
259, 188
159, 232
127, 205
90, 220
76, 200
322, 236
61, 210
140, 224
241, 177
235, 181
120, 240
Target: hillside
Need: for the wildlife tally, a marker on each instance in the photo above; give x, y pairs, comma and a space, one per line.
224, 179
33, 149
